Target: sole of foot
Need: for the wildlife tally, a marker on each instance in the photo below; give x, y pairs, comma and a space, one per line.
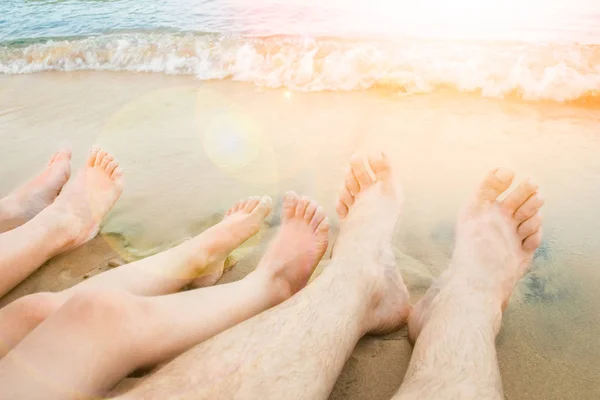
369, 207
495, 244
41, 191
297, 249
241, 222
84, 201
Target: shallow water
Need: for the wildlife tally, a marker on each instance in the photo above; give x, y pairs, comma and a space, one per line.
498, 49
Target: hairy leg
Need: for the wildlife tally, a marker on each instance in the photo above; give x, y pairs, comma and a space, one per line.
25, 202
297, 349
160, 274
456, 323
71, 220
115, 333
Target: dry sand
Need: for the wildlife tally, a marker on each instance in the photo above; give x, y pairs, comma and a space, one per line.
190, 149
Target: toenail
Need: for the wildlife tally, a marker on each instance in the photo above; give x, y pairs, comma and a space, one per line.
531, 183
503, 174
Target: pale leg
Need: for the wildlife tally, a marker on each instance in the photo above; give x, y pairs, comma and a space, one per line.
456, 323
71, 220
97, 338
160, 274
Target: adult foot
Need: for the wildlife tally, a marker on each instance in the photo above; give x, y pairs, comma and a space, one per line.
495, 243
241, 222
37, 194
369, 207
297, 249
85, 201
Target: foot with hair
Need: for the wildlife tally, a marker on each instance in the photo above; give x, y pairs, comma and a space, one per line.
455, 324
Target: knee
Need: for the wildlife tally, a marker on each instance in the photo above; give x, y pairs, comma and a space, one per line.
35, 308
99, 311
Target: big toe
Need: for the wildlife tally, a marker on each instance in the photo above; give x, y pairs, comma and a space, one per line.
61, 155
360, 171
494, 184
380, 164
263, 207
290, 203
519, 196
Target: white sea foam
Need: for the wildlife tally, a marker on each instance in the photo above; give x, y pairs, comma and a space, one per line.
556, 72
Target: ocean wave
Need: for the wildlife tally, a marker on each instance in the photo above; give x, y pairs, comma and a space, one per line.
555, 72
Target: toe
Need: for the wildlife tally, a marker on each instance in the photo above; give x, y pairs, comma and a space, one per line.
311, 209
92, 157
351, 183
67, 152
359, 169
323, 227
290, 201
380, 165
342, 210
346, 197
495, 184
110, 168
105, 161
519, 196
99, 157
301, 207
240, 205
251, 204
530, 226
529, 208
264, 206
533, 242
117, 174
63, 154
318, 218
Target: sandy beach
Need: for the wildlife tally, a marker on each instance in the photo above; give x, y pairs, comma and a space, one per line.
190, 149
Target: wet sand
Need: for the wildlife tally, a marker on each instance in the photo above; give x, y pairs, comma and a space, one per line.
190, 149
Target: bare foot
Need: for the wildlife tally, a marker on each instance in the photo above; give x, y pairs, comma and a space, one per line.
369, 208
241, 222
495, 243
298, 247
85, 201
37, 194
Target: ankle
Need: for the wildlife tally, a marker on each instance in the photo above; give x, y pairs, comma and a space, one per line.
276, 288
367, 284
460, 299
59, 227
10, 213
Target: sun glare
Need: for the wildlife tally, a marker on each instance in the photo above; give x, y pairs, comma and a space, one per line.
468, 19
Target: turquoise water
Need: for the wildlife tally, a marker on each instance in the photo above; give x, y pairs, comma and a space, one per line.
559, 20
